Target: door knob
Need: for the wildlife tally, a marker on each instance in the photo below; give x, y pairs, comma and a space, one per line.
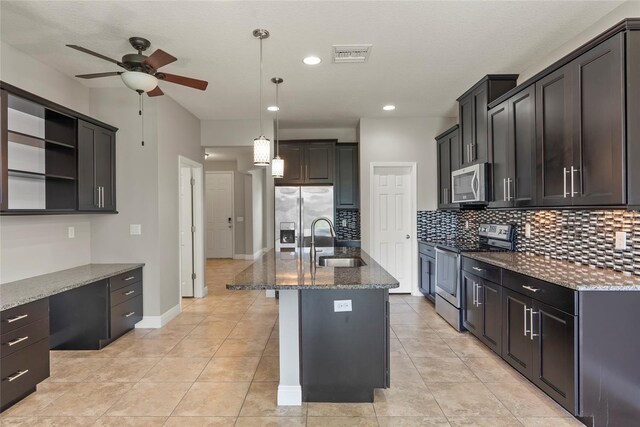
407, 237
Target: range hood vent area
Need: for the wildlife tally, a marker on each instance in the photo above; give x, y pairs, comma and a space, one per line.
349, 54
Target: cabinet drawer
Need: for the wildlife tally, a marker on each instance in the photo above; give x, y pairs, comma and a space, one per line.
427, 249
124, 316
22, 371
482, 269
20, 338
22, 315
125, 279
556, 296
124, 294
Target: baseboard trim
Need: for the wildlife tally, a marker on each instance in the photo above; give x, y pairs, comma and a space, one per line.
155, 322
289, 395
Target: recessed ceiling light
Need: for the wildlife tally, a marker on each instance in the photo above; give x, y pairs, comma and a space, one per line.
273, 108
312, 60
389, 107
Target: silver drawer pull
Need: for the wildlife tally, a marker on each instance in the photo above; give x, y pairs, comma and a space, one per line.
478, 269
17, 375
130, 314
17, 341
129, 293
129, 278
529, 288
15, 319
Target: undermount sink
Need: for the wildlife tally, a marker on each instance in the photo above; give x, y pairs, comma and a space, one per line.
332, 261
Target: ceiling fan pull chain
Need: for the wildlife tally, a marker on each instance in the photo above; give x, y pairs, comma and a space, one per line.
140, 113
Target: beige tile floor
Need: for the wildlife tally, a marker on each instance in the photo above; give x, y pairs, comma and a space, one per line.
216, 364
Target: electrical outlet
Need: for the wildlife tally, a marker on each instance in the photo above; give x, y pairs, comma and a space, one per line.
71, 232
344, 222
240, 219
135, 229
342, 305
466, 225
527, 230
621, 240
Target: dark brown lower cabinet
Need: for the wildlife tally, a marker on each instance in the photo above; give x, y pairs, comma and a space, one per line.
482, 310
516, 343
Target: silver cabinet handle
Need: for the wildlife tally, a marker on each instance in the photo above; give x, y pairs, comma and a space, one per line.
473, 292
526, 331
129, 293
15, 319
17, 341
509, 189
573, 170
17, 375
472, 151
504, 189
130, 314
98, 197
102, 192
531, 313
529, 288
478, 303
478, 269
129, 278
564, 175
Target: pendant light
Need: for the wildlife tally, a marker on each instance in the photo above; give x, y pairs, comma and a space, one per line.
261, 145
277, 164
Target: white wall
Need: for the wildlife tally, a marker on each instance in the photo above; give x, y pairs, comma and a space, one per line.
220, 166
341, 134
400, 140
628, 9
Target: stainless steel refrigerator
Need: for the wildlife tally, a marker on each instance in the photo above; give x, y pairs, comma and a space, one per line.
296, 208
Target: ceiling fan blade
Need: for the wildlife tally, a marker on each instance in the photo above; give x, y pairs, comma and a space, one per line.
96, 54
184, 81
97, 75
155, 92
159, 58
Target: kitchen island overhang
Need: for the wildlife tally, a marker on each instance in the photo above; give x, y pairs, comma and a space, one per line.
333, 323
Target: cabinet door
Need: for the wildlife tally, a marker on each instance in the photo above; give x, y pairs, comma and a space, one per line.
554, 342
4, 178
500, 154
423, 274
454, 147
471, 314
87, 187
598, 118
444, 172
104, 161
466, 130
347, 171
479, 144
319, 161
432, 278
489, 296
522, 134
293, 156
516, 339
554, 137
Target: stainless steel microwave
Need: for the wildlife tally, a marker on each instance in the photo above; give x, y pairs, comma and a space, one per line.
469, 185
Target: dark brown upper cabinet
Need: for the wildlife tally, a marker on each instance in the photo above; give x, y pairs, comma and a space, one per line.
307, 162
580, 129
347, 188
512, 147
473, 106
96, 168
448, 146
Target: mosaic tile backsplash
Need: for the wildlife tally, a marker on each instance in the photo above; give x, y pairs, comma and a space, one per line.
582, 236
352, 229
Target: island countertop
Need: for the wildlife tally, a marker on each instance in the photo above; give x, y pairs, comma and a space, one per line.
562, 273
20, 292
290, 270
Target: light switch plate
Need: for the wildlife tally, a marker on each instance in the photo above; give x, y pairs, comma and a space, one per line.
71, 232
621, 240
135, 229
342, 305
527, 230
240, 219
344, 222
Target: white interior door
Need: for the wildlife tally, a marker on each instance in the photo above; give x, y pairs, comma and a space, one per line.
186, 233
392, 222
219, 199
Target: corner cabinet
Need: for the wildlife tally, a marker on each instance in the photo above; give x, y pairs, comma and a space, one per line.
307, 162
347, 187
96, 168
53, 160
448, 161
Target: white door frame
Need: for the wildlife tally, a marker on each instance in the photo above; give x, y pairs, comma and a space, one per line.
233, 206
413, 209
199, 288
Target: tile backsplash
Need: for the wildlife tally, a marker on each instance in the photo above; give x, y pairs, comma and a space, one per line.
582, 236
352, 229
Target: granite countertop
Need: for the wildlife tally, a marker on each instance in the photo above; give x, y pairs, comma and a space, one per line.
562, 273
292, 270
20, 292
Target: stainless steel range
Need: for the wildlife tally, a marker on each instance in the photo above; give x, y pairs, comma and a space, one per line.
491, 237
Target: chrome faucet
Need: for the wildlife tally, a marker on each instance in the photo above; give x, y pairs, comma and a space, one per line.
312, 252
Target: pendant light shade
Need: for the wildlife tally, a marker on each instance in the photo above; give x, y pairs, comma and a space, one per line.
277, 167
277, 164
261, 145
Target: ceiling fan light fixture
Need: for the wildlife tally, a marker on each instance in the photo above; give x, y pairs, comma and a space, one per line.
139, 81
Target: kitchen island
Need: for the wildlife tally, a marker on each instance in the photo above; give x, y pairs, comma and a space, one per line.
333, 323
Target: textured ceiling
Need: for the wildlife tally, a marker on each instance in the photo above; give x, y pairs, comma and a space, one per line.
424, 54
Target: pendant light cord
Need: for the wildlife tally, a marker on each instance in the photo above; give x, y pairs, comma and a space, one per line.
277, 123
261, 133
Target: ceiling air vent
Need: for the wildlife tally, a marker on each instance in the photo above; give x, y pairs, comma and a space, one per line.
343, 53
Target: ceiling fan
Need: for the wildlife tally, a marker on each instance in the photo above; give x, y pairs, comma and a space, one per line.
141, 72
